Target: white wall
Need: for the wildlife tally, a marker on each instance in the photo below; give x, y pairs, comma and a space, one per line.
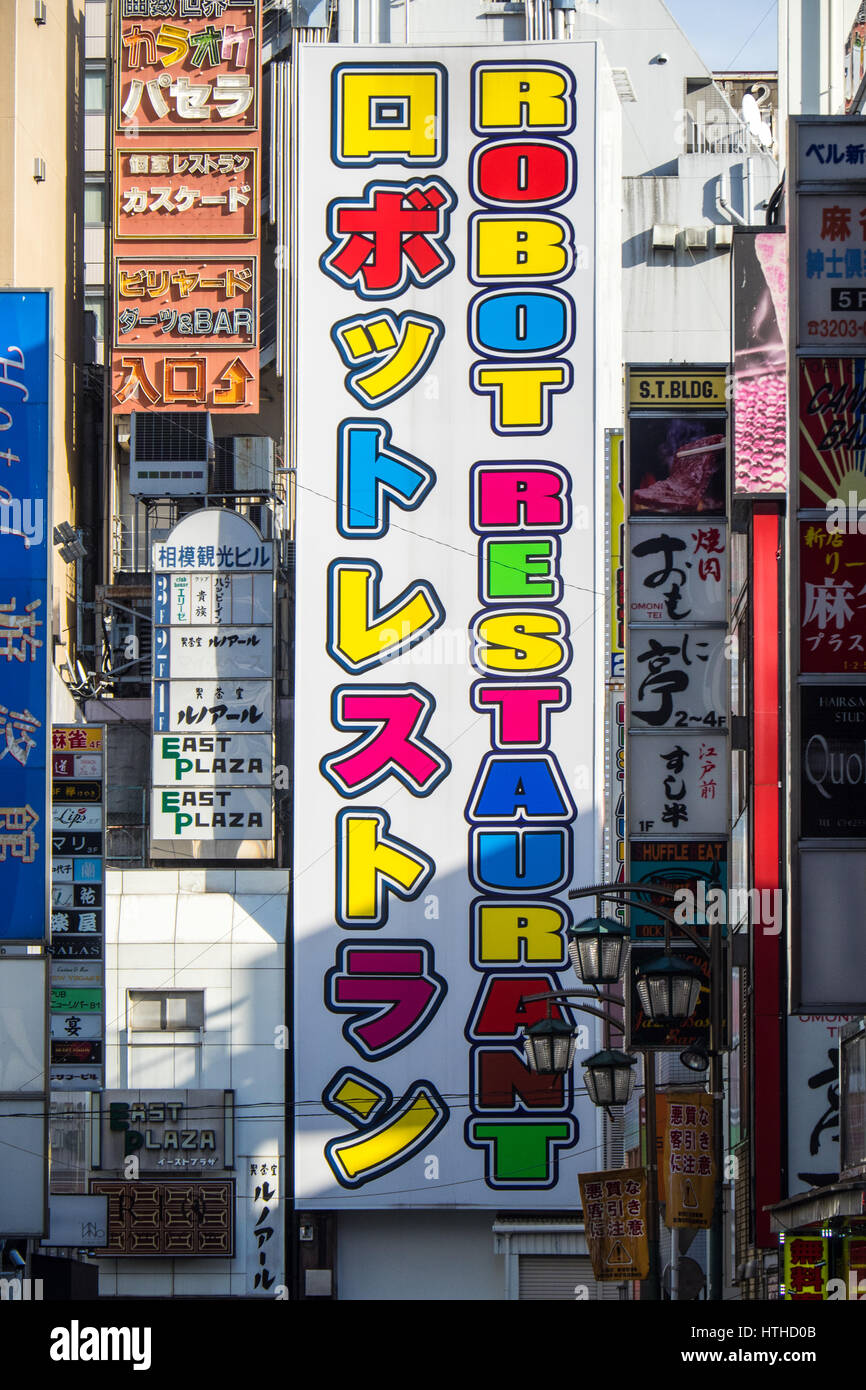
676, 305
404, 1256
812, 36
222, 931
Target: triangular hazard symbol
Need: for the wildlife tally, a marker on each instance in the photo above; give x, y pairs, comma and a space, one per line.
618, 1255
689, 1197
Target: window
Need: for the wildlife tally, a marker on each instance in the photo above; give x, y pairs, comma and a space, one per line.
94, 204
94, 89
165, 1011
69, 1130
95, 304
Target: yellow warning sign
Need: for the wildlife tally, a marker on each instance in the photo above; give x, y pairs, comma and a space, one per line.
618, 1256
687, 1160
615, 1221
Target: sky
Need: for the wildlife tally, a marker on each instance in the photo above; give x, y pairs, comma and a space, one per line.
739, 34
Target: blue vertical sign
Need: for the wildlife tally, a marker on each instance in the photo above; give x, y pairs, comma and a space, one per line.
25, 612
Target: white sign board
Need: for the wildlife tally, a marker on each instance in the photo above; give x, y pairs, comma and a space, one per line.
223, 597
212, 760
72, 817
211, 813
76, 1025
77, 1221
678, 784
678, 678
230, 652
831, 274
447, 739
831, 151
679, 571
213, 667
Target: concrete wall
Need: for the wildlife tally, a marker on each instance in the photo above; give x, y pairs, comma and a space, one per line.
414, 1256
812, 36
677, 304
224, 932
40, 222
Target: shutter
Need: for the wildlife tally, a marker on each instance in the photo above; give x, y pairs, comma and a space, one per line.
555, 1277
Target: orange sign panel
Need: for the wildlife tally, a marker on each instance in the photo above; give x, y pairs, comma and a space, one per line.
168, 302
224, 380
187, 65
185, 194
615, 1220
689, 1172
72, 738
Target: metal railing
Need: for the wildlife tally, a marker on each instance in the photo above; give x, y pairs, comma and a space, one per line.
718, 137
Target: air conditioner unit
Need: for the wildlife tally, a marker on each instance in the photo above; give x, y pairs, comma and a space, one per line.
723, 237
123, 613
664, 236
170, 453
254, 463
696, 238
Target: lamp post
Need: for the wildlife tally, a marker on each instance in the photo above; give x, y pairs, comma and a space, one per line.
550, 1046
652, 976
668, 989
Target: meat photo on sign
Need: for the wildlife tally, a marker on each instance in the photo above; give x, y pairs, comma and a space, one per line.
678, 465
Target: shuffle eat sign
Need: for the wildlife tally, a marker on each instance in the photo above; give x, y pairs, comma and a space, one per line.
186, 203
447, 634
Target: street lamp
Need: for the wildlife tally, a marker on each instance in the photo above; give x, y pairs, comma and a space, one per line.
695, 1058
609, 1077
681, 996
597, 949
668, 989
550, 1045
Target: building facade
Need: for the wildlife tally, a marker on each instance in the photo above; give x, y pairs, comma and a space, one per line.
260, 983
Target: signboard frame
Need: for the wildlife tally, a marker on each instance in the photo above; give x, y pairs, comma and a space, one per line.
812, 991
40, 932
485, 440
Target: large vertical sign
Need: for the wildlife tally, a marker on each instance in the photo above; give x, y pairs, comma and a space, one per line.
448, 742
759, 266
25, 642
186, 201
828, 587
614, 766
213, 688
677, 697
25, 612
814, 1159
76, 977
